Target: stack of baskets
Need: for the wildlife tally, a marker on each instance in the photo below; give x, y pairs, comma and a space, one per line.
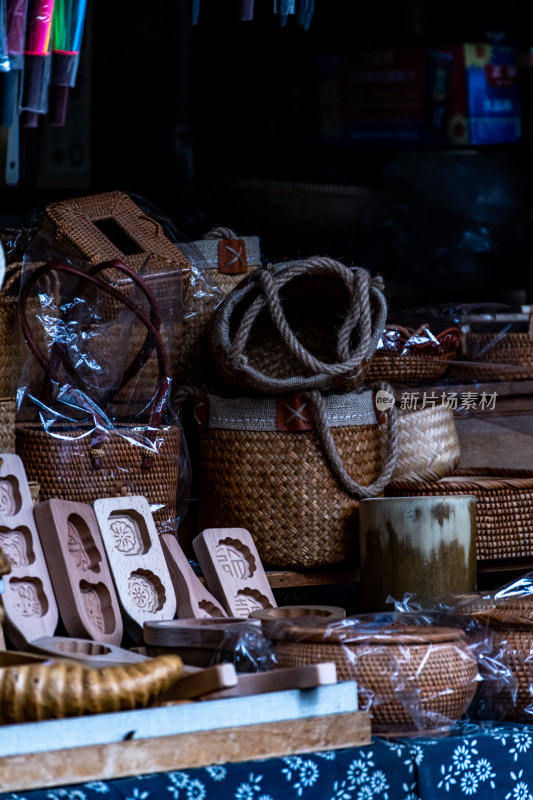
295, 435
504, 507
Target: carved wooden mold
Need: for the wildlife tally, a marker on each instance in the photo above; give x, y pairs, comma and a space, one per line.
29, 602
194, 601
79, 570
136, 559
233, 570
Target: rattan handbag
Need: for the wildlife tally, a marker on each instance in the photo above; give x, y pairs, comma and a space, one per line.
504, 507
85, 460
414, 679
293, 327
111, 227
219, 262
291, 471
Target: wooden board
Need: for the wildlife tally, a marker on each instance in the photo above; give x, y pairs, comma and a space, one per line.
136, 559
29, 601
233, 570
194, 601
148, 723
278, 680
78, 566
185, 751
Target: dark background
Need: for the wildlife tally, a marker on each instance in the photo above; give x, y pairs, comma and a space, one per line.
192, 118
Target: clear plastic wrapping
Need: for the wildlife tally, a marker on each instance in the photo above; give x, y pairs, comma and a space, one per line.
413, 673
499, 627
88, 340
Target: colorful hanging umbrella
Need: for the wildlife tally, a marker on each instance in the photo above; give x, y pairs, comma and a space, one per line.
13, 34
67, 33
37, 62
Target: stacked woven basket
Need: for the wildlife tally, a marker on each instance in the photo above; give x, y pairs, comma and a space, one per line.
293, 431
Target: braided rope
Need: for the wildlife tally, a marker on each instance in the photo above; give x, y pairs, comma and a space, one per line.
332, 454
362, 290
219, 232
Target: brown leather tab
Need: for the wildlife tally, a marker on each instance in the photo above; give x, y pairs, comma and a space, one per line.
293, 414
201, 412
232, 257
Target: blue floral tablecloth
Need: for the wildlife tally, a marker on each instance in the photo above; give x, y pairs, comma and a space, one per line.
477, 761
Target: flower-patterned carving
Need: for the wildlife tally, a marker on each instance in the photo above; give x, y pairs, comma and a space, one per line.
126, 537
146, 591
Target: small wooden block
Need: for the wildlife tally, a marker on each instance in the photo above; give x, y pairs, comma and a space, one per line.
136, 559
194, 601
197, 682
89, 653
233, 570
79, 570
29, 602
277, 680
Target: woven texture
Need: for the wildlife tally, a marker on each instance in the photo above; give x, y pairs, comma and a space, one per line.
63, 468
279, 487
7, 424
74, 223
419, 356
428, 445
411, 687
504, 508
510, 637
8, 327
508, 357
208, 288
304, 325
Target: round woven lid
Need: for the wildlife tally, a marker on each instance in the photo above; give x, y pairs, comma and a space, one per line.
369, 634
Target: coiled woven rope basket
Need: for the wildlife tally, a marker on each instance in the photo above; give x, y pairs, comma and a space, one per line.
504, 507
416, 679
293, 327
291, 475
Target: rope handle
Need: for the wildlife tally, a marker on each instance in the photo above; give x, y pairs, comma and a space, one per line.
360, 287
52, 368
332, 454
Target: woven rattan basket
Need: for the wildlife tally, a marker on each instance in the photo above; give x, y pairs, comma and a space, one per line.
7, 424
510, 637
421, 362
416, 679
292, 327
8, 328
497, 356
264, 467
504, 507
428, 445
218, 263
